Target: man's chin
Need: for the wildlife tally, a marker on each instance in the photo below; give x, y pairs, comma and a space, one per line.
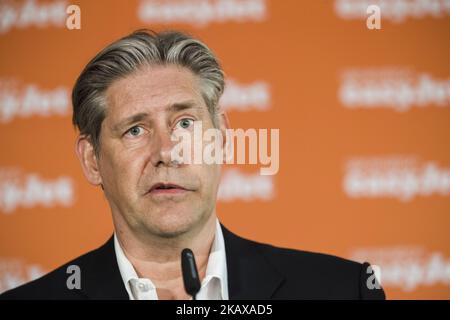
172, 227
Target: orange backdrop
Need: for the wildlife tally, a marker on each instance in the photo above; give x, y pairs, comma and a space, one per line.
364, 119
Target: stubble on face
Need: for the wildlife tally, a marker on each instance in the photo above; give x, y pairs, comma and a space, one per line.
132, 165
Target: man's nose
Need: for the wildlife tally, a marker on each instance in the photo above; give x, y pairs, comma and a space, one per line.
161, 147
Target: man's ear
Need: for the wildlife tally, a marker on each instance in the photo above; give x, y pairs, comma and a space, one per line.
88, 160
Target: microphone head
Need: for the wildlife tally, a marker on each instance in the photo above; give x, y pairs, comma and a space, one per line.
190, 274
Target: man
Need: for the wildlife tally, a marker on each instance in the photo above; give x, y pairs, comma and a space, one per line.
128, 102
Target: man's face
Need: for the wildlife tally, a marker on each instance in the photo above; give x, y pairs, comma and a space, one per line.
143, 111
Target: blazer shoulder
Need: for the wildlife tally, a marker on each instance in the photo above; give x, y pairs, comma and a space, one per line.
307, 258
53, 285
324, 275
289, 260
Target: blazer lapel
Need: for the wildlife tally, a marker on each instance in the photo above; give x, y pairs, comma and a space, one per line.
100, 275
250, 274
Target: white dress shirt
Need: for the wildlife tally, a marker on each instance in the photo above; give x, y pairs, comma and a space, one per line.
213, 287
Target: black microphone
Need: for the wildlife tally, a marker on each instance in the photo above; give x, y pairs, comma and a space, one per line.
190, 274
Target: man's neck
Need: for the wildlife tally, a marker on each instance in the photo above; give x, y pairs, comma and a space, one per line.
160, 259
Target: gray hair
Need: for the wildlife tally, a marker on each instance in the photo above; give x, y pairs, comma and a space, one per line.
128, 55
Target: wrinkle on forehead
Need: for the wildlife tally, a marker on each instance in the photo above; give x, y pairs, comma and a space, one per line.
151, 89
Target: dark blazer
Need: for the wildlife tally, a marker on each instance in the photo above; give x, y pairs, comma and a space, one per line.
255, 271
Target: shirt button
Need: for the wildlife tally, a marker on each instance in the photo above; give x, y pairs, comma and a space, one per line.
143, 287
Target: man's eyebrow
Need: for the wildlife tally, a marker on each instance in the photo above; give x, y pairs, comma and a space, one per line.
180, 106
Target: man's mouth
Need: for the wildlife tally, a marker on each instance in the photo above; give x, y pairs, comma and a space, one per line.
167, 188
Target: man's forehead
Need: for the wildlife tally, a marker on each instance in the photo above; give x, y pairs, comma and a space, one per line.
154, 82
165, 89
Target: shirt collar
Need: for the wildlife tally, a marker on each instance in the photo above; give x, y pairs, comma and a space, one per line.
216, 267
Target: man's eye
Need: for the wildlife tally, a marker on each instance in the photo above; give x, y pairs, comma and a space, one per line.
185, 123
135, 131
